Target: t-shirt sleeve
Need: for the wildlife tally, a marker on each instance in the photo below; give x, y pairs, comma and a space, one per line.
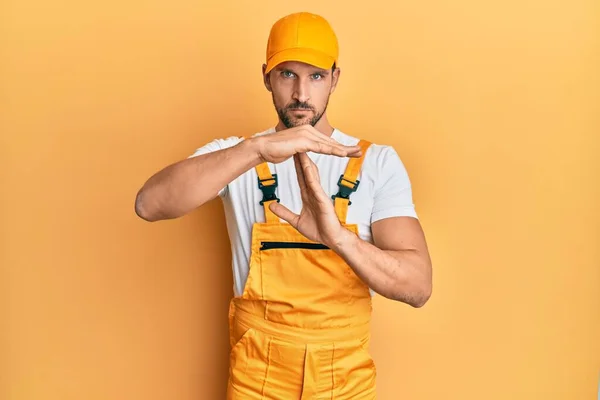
393, 191
215, 145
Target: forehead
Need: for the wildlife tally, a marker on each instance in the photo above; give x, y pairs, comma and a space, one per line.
298, 67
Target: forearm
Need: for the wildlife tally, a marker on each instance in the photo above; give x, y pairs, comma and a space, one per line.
402, 275
188, 184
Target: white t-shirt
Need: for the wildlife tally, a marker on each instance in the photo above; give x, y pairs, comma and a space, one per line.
384, 191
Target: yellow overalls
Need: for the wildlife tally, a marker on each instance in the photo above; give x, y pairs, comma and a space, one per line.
300, 330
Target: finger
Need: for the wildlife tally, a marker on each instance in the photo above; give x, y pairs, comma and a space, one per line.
284, 213
325, 144
335, 149
326, 140
330, 140
321, 139
345, 151
321, 136
299, 173
310, 170
355, 154
312, 179
353, 151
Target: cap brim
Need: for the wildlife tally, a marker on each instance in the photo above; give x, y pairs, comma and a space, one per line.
308, 56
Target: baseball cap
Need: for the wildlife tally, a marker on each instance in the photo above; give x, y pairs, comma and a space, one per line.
303, 37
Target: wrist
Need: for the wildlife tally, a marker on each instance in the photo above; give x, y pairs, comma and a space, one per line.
343, 240
254, 146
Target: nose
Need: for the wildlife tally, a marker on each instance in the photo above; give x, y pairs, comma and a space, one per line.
301, 90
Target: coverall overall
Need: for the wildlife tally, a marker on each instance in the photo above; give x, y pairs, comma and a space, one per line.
300, 329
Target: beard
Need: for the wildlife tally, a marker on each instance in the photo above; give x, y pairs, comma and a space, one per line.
285, 114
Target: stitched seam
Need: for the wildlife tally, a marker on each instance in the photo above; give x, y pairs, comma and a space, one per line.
262, 391
332, 374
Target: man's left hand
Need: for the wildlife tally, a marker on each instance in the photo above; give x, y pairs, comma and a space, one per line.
317, 220
397, 265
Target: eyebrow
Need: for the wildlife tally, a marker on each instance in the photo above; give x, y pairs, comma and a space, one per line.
323, 72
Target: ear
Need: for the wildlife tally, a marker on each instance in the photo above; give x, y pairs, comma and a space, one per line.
335, 77
266, 78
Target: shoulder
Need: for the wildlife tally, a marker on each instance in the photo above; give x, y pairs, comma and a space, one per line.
388, 179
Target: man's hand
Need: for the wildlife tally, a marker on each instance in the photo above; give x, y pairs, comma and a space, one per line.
397, 265
317, 220
279, 146
183, 186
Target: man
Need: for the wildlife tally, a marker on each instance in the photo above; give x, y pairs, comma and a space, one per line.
319, 222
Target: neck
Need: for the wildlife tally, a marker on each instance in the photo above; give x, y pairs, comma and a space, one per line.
322, 126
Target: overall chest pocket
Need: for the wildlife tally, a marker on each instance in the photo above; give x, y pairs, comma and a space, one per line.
293, 271
304, 272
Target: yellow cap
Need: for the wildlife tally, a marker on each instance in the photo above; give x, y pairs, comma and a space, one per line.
302, 37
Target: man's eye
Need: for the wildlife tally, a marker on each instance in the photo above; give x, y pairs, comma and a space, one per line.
287, 74
317, 76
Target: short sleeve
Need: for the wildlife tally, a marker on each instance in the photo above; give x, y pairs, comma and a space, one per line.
393, 191
215, 145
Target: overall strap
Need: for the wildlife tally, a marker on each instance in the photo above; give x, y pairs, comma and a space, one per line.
348, 183
267, 183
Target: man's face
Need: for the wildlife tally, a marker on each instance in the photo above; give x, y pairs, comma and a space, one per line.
300, 92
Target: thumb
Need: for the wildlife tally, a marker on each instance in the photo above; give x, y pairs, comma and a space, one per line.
284, 213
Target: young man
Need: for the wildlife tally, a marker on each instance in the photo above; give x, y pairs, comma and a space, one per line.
319, 221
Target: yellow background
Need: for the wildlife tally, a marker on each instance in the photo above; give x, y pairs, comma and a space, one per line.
492, 105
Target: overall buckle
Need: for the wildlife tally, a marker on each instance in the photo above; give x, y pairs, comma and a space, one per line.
345, 191
268, 190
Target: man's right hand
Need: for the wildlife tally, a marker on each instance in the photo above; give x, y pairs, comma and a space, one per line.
183, 186
279, 146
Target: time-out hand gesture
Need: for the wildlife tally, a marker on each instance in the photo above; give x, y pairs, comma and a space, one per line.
317, 220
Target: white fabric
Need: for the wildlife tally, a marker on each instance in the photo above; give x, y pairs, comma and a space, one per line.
384, 191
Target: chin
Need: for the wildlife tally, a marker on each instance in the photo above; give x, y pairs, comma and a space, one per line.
298, 122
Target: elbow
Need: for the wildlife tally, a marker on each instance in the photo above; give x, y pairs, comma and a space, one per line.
421, 297
422, 288
415, 295
141, 207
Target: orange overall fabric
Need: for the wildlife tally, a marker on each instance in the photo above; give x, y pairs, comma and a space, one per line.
300, 330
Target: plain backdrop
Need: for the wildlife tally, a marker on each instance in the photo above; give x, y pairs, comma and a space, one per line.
492, 105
